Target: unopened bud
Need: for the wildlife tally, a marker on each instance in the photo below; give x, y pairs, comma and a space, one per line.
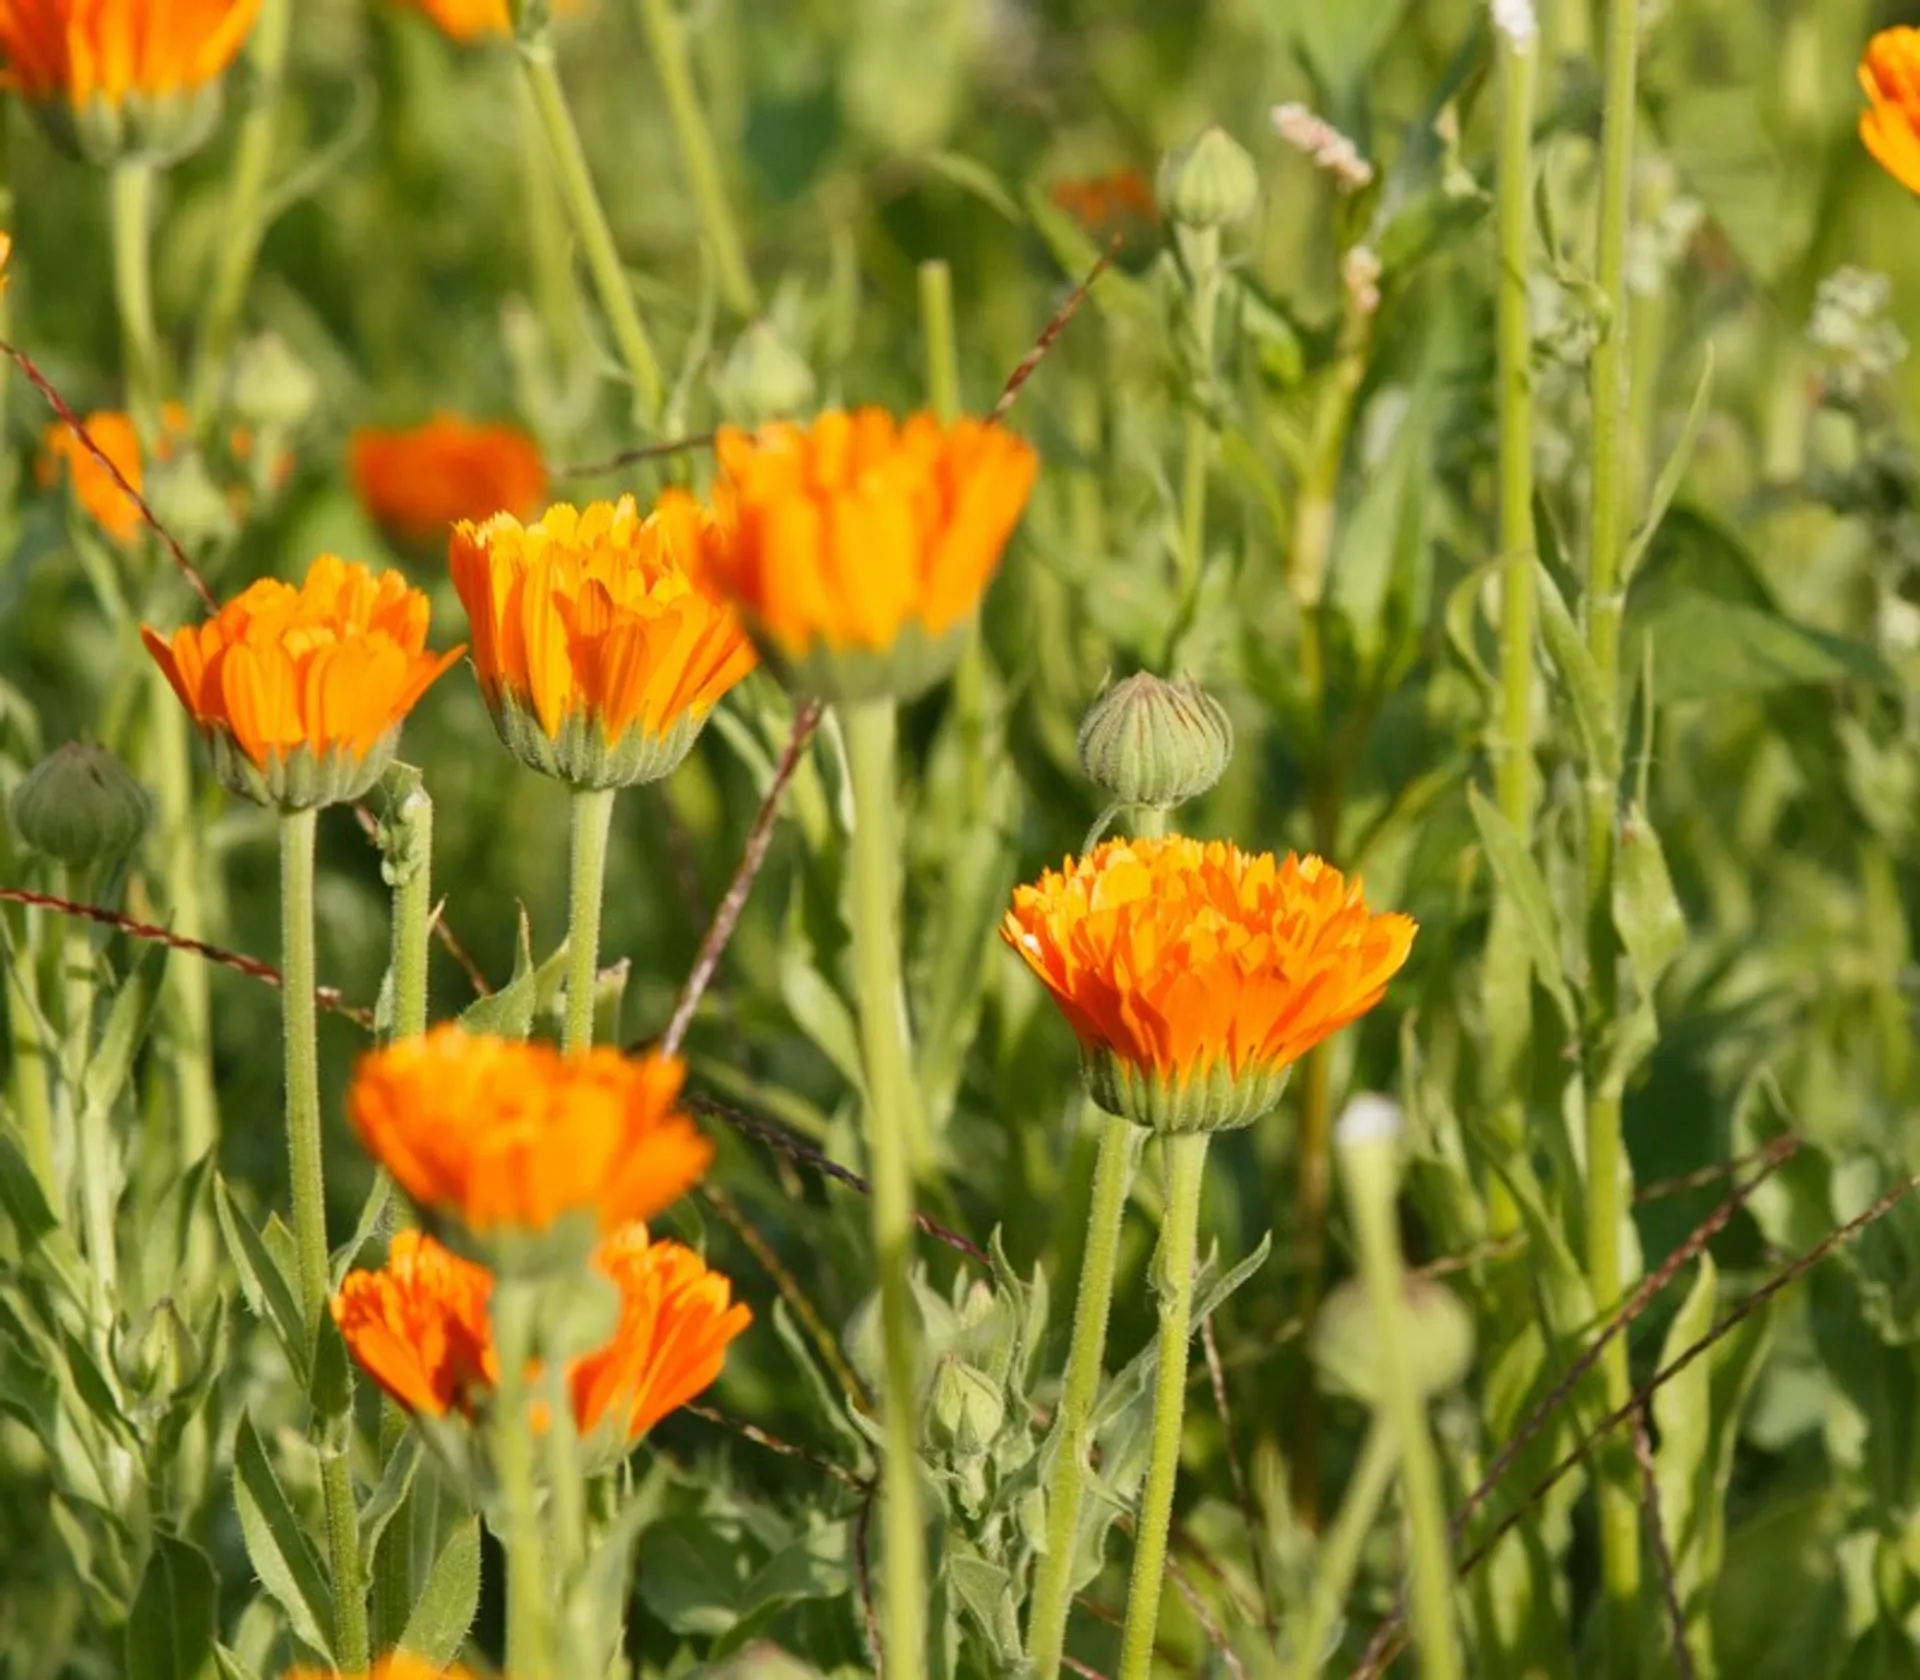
1210, 182
81, 806
1436, 1341
272, 388
1150, 742
968, 1409
763, 377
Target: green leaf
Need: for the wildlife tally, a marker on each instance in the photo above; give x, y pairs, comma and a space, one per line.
269, 1288
169, 1635
1593, 706
1697, 1414
233, 1667
278, 1547
1519, 877
511, 1011
396, 1480
821, 1013
1884, 1258
1667, 485
444, 1612
127, 1026
330, 1387
693, 1577
971, 175
1709, 649
1646, 910
1384, 534
985, 1591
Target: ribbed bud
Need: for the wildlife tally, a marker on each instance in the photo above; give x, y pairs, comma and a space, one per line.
1436, 1341
1210, 182
1147, 741
81, 806
763, 378
143, 127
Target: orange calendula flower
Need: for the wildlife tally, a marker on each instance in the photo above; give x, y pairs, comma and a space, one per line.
1195, 974
396, 1665
123, 79
418, 482
420, 1328
504, 1140
467, 21
1890, 125
1120, 201
301, 692
860, 547
599, 650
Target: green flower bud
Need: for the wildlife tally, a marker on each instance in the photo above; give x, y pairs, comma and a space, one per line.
1436, 1338
763, 378
157, 1354
968, 1409
81, 806
272, 388
1210, 182
1147, 741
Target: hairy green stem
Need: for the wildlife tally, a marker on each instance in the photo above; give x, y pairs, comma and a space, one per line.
1338, 1559
393, 1586
1113, 1171
307, 1168
567, 1512
245, 196
1371, 1172
1186, 1164
666, 39
870, 730
1605, 1207
591, 225
131, 205
92, 1131
531, 1651
592, 821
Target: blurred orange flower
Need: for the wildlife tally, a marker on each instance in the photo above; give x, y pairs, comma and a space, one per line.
396, 1665
1195, 974
599, 651
464, 20
420, 1328
1890, 126
417, 482
506, 1137
301, 691
1106, 204
80, 50
859, 546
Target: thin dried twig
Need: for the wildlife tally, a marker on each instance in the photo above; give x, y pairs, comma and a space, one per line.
776, 1136
1256, 1541
1657, 1536
327, 997
1050, 333
633, 457
74, 424
1699, 1178
727, 917
773, 1444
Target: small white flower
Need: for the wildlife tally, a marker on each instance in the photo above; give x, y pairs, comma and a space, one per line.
1324, 144
1368, 1119
1516, 20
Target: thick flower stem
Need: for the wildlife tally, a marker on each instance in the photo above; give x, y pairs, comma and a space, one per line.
869, 730
1186, 1163
1605, 1209
666, 40
1338, 1559
307, 1168
131, 190
592, 821
566, 1515
530, 1623
1371, 1173
1113, 1170
246, 193
591, 225
91, 1129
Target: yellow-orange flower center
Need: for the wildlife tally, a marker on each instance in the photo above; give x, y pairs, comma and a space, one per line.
417, 483
79, 50
851, 530
599, 613
331, 666
1890, 126
396, 1665
1183, 958
506, 1136
420, 1328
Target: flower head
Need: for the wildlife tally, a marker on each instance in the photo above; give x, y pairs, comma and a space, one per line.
1195, 974
420, 1328
418, 482
1120, 201
395, 1665
500, 1140
599, 649
114, 79
860, 546
465, 20
301, 691
1890, 126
